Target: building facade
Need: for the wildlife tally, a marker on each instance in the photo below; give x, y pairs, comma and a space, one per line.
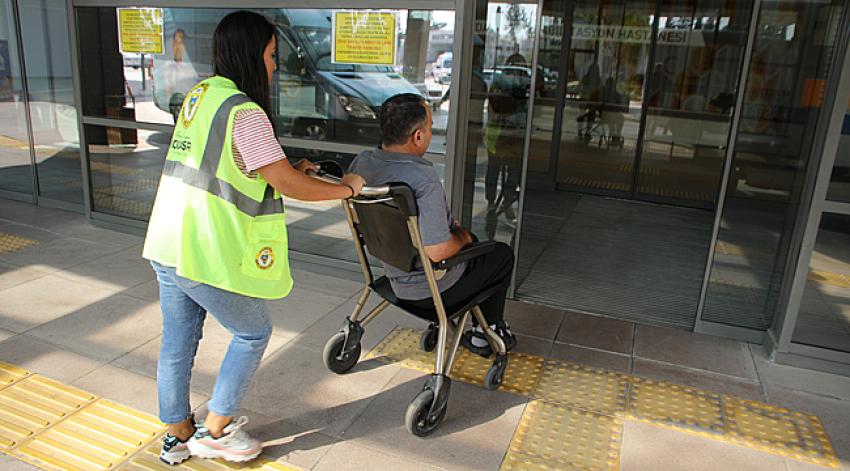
684, 164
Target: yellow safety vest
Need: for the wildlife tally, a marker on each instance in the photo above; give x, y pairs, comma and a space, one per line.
210, 221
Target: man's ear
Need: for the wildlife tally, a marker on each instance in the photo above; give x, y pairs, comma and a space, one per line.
417, 136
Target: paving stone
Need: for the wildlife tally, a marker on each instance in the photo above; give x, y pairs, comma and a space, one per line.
592, 358
694, 350
293, 384
648, 447
698, 379
42, 300
104, 330
598, 332
127, 388
476, 432
46, 359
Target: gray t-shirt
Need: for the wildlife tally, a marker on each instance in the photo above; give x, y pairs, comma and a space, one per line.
379, 167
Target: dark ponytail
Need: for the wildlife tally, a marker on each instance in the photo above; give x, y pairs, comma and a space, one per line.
239, 41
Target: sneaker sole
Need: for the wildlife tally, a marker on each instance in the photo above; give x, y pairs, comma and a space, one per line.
174, 462
211, 453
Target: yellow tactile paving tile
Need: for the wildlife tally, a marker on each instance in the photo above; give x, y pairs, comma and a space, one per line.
562, 438
402, 346
589, 393
590, 389
10, 374
6, 141
778, 430
114, 169
98, 437
11, 243
103, 199
58, 427
149, 461
31, 405
728, 248
840, 280
521, 376
674, 406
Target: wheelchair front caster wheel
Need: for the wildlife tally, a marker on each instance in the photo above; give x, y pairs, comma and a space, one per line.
428, 340
416, 418
334, 358
496, 373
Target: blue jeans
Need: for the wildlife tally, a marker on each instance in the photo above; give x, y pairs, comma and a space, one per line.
185, 304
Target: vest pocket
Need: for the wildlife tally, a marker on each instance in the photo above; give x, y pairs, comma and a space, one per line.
266, 255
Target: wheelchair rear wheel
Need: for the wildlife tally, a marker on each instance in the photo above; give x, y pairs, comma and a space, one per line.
334, 358
416, 418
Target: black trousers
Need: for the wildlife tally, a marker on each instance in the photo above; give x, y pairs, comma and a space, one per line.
481, 272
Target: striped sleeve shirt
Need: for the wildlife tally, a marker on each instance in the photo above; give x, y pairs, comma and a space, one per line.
254, 142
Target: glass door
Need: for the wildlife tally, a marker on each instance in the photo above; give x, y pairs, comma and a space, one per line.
795, 51
600, 140
16, 170
607, 59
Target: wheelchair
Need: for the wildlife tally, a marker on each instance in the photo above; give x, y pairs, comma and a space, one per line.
384, 220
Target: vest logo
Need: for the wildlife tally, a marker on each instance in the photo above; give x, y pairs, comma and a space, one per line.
265, 258
181, 145
190, 106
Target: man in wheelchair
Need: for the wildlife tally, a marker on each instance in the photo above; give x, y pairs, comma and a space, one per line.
405, 136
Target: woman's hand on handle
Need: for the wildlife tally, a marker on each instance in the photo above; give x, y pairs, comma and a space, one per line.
294, 183
305, 166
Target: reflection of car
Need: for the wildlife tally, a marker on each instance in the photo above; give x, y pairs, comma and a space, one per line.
316, 98
134, 60
442, 68
311, 96
519, 74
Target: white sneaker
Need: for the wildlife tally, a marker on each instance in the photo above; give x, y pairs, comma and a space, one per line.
234, 445
173, 450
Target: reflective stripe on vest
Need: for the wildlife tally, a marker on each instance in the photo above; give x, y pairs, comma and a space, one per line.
205, 178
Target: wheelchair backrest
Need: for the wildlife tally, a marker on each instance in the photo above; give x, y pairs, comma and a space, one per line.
382, 226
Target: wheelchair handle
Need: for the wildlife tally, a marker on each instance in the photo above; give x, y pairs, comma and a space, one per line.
382, 190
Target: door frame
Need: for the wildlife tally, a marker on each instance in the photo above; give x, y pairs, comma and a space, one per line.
779, 338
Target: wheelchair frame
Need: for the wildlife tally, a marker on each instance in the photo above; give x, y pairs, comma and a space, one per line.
427, 410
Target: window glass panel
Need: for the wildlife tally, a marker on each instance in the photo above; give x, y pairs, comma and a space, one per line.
311, 96
824, 319
793, 57
691, 97
44, 28
15, 159
501, 88
125, 167
839, 184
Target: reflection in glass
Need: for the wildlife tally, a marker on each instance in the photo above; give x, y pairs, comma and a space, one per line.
15, 160
690, 98
311, 96
125, 167
500, 93
44, 28
604, 90
585, 251
839, 184
793, 55
824, 319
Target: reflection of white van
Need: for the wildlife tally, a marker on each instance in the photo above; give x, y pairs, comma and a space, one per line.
442, 68
311, 96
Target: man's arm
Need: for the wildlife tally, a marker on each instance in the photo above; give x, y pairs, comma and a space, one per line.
459, 239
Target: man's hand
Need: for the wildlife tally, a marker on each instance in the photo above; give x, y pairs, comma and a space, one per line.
465, 236
305, 165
